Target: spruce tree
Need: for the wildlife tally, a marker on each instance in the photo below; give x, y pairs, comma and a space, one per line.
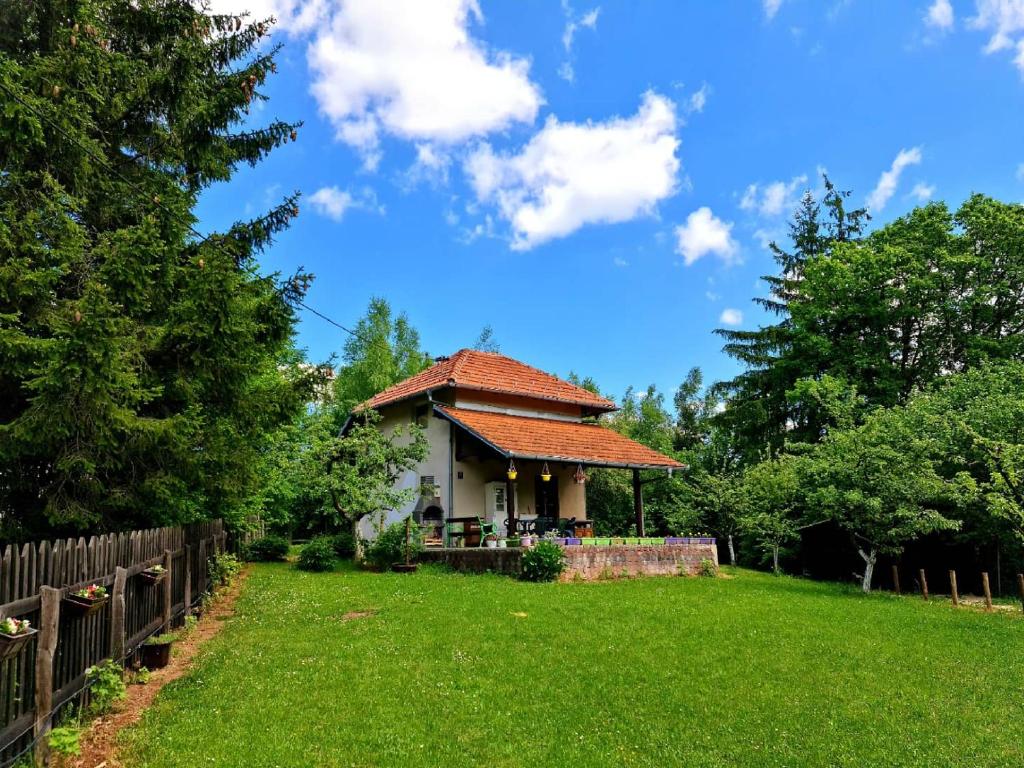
139, 369
758, 413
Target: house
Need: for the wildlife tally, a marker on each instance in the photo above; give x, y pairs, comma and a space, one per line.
508, 444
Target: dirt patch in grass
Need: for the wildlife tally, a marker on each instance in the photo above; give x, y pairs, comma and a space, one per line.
99, 742
353, 615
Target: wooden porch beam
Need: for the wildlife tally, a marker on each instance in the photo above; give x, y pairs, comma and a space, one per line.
510, 505
638, 503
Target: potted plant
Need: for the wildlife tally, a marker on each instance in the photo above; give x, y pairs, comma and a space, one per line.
14, 635
491, 541
87, 600
572, 541
514, 541
156, 651
154, 574
502, 543
526, 540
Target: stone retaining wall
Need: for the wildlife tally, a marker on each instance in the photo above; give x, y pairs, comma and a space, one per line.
585, 562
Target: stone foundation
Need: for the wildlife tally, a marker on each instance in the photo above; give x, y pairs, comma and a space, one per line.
586, 562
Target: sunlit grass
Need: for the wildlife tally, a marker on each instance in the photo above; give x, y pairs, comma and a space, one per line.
448, 671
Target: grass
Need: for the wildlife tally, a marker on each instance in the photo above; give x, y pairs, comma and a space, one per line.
453, 670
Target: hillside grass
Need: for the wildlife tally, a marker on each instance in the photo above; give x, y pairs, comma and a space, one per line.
456, 670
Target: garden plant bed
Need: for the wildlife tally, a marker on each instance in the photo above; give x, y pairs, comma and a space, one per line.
752, 670
99, 742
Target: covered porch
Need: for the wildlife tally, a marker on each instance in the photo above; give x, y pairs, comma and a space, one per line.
533, 473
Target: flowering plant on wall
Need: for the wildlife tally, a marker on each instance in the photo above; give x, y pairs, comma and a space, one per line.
92, 592
15, 627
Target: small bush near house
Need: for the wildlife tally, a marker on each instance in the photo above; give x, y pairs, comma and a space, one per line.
708, 568
389, 546
269, 549
224, 567
345, 545
317, 555
543, 562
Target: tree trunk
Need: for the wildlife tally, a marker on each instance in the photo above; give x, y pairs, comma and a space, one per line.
775, 558
869, 567
732, 552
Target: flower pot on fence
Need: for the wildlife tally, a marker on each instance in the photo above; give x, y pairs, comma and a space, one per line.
571, 541
404, 567
153, 575
526, 541
81, 606
632, 541
491, 544
513, 542
561, 541
617, 542
675, 540
155, 655
11, 645
602, 541
588, 541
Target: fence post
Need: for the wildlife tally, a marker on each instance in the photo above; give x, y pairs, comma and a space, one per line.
188, 579
952, 588
896, 580
168, 593
924, 584
46, 646
987, 590
117, 614
204, 567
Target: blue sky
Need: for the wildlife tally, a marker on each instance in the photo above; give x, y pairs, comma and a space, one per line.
596, 181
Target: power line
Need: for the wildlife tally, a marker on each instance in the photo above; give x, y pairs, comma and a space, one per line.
102, 159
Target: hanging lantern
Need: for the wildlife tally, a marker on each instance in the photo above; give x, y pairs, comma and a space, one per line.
579, 477
512, 472
545, 473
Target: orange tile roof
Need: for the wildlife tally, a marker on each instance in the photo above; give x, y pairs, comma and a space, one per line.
552, 440
490, 372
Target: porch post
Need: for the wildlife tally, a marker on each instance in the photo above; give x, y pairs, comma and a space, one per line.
510, 504
638, 503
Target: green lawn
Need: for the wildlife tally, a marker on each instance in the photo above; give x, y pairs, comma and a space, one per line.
745, 671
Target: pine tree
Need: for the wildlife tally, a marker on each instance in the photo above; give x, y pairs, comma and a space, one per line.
757, 413
139, 367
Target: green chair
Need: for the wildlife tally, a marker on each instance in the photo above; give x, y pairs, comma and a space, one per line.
486, 529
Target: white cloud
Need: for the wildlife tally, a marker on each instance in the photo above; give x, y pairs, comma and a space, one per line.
775, 198
573, 174
698, 99
771, 7
712, 296
292, 16
1004, 20
1020, 172
731, 317
588, 20
618, 261
923, 191
890, 179
704, 234
413, 70
940, 15
334, 203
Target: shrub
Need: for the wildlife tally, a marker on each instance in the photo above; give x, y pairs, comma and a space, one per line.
389, 546
223, 568
344, 545
269, 549
317, 555
66, 740
543, 562
106, 685
707, 568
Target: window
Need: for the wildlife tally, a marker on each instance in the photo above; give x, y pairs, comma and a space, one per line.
420, 414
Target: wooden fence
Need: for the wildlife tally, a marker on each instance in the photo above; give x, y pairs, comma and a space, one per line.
50, 671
